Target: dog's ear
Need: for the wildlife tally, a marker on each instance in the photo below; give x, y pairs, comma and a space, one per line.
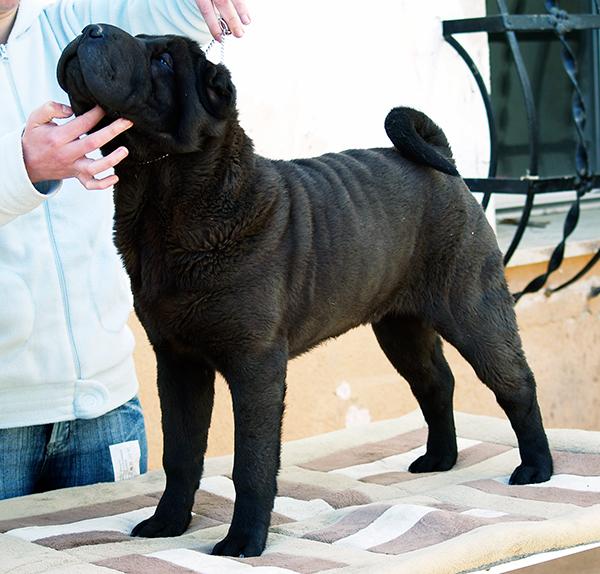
216, 91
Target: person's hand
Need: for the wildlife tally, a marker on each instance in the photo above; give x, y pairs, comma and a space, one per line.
234, 12
55, 152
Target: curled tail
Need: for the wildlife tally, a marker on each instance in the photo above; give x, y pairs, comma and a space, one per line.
416, 136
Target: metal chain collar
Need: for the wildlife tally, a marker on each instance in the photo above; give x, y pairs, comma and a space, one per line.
225, 31
154, 160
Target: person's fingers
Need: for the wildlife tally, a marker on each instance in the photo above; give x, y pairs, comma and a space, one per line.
242, 11
102, 164
99, 138
210, 17
47, 112
229, 13
93, 183
80, 125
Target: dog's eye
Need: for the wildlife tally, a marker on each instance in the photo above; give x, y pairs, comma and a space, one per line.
165, 60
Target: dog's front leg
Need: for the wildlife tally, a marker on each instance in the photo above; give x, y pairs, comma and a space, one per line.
257, 384
186, 390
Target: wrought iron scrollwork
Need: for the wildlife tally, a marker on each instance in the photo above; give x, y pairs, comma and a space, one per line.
560, 23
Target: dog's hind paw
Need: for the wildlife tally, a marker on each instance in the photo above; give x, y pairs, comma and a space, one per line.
530, 474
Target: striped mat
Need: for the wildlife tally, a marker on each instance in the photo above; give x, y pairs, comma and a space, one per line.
346, 503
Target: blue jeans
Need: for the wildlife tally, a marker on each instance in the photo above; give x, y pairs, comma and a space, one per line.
73, 453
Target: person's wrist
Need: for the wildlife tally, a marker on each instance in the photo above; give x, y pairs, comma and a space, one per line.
34, 177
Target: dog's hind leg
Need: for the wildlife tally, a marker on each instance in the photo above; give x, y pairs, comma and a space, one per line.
186, 390
257, 384
415, 350
480, 322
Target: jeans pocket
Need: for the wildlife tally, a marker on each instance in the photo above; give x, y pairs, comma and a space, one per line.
132, 419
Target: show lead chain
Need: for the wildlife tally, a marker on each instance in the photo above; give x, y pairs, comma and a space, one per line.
225, 31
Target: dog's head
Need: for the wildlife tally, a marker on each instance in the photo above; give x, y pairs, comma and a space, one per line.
164, 84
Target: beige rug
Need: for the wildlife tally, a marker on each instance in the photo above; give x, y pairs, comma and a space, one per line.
346, 504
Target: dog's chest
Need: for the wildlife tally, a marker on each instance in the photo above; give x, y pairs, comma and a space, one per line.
175, 300
178, 292
189, 320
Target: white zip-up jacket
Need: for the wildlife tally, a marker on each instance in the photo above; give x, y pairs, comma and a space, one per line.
65, 348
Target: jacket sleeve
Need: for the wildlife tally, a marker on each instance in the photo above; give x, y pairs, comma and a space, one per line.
17, 194
68, 17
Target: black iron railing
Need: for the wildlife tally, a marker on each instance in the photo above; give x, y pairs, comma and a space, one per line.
559, 25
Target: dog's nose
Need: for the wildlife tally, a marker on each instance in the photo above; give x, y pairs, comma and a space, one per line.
93, 31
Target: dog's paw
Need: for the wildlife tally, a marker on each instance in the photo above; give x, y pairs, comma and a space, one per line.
155, 527
239, 546
524, 474
432, 463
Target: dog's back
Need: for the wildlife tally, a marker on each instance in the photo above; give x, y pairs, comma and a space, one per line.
382, 228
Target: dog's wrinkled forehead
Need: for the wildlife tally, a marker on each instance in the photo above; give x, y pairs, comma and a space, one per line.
164, 84
184, 50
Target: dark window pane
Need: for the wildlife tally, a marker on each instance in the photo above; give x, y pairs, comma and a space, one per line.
552, 91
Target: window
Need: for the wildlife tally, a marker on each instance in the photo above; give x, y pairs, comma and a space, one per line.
552, 92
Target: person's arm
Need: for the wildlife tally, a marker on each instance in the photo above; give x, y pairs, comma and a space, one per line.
184, 17
18, 195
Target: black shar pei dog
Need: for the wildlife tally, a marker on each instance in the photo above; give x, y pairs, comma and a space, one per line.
239, 263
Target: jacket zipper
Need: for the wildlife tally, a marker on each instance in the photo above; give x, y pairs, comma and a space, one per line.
57, 261
63, 289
